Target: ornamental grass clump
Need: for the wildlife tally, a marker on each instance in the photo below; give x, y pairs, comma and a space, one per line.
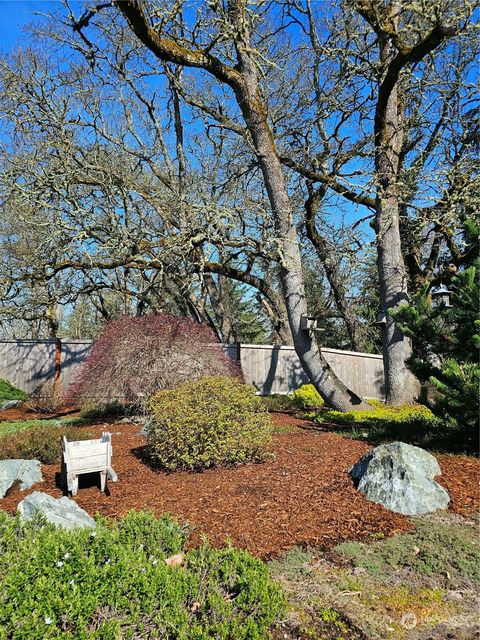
209, 422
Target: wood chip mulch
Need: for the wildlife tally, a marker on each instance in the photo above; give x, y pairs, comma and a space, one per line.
24, 413
302, 497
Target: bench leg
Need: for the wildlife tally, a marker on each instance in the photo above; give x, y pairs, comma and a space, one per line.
74, 485
103, 480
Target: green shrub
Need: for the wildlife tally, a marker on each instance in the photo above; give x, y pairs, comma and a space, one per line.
9, 392
42, 442
114, 583
307, 397
92, 412
277, 402
208, 422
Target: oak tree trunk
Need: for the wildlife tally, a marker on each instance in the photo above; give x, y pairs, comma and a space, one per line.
332, 390
393, 280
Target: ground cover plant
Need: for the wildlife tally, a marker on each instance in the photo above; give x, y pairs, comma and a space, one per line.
209, 422
41, 441
9, 392
93, 412
129, 578
137, 356
278, 402
422, 584
414, 424
9, 427
304, 398
380, 415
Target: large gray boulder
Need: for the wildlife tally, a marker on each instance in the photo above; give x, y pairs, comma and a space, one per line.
62, 512
401, 477
24, 472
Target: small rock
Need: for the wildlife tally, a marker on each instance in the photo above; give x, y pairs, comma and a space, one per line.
146, 426
175, 561
26, 472
63, 512
359, 571
10, 404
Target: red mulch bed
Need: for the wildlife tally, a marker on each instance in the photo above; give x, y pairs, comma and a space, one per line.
304, 496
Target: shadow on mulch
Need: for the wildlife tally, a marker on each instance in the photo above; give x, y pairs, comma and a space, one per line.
85, 481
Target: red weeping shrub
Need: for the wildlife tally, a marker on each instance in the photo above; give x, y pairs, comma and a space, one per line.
137, 356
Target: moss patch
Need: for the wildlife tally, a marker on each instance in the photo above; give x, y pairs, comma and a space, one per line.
424, 583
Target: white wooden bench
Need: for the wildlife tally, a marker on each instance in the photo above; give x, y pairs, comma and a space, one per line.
87, 456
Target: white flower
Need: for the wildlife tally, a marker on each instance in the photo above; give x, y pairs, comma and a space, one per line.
107, 561
71, 582
142, 545
93, 534
48, 620
142, 570
59, 563
66, 556
154, 561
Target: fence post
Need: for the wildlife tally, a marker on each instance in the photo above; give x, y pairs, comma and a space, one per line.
58, 366
238, 355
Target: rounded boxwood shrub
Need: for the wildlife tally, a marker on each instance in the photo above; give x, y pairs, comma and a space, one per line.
208, 422
307, 397
115, 582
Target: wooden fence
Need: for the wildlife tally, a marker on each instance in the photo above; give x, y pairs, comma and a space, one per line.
271, 369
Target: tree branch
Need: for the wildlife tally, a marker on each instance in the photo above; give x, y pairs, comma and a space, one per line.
168, 50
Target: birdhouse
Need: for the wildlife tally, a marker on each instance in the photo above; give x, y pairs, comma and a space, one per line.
308, 323
381, 319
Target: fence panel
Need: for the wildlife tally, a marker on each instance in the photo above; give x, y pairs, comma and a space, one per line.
27, 363
74, 353
270, 369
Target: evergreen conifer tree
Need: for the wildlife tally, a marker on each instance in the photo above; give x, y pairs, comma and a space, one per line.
446, 343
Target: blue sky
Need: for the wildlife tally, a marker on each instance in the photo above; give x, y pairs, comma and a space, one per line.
14, 15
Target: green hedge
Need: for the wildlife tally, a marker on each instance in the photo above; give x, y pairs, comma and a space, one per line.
208, 422
113, 583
